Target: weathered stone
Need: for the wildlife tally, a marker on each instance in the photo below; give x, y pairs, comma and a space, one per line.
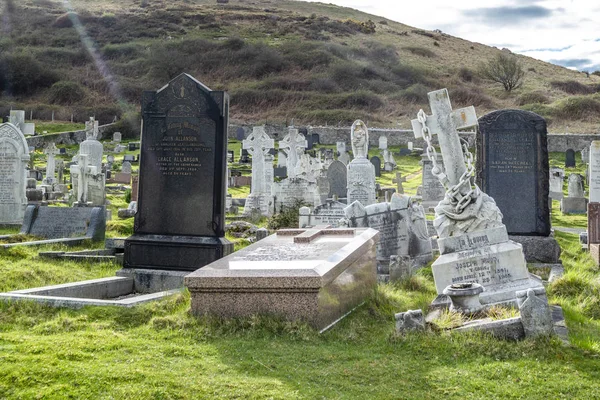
570, 158
261, 233
258, 144
556, 183
539, 249
65, 222
400, 267
294, 144
329, 213
411, 320
14, 155
431, 191
535, 313
337, 176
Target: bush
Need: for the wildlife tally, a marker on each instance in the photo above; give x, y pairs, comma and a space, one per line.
504, 69
577, 108
416, 93
287, 218
23, 75
466, 75
123, 51
66, 93
469, 97
362, 100
533, 97
572, 87
420, 51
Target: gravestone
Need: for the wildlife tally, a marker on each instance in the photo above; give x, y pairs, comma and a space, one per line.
432, 191
315, 138
340, 147
126, 167
110, 158
240, 134
281, 159
398, 181
63, 150
570, 158
17, 118
376, 161
129, 158
575, 202
402, 226
361, 172
65, 222
117, 137
51, 151
258, 144
337, 177
556, 183
14, 156
309, 138
230, 156
244, 156
328, 214
512, 168
88, 180
389, 163
473, 241
383, 143
293, 144
180, 220
131, 146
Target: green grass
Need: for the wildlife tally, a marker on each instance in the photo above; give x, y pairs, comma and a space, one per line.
57, 126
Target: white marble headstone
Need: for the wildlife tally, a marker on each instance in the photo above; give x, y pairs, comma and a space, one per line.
14, 155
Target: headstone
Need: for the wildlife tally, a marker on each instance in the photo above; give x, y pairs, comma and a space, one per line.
29, 129
14, 156
51, 151
131, 146
17, 118
337, 177
309, 139
261, 233
240, 134
411, 320
63, 150
60, 167
116, 137
340, 147
258, 144
280, 172
376, 161
309, 168
315, 138
570, 158
389, 163
230, 156
585, 155
65, 222
536, 316
361, 172
311, 275
402, 226
400, 268
281, 159
398, 181
432, 191
180, 220
556, 183
594, 172
575, 202
244, 156
383, 143
294, 144
119, 148
473, 242
88, 180
328, 214
126, 167
512, 168
130, 158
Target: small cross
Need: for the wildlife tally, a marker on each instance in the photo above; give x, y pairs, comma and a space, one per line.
444, 122
399, 179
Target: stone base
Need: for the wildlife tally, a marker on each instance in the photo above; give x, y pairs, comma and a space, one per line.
539, 249
574, 205
179, 253
151, 281
499, 268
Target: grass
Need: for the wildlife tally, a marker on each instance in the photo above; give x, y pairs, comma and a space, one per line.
57, 126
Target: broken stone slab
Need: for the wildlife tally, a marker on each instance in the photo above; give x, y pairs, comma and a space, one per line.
535, 312
411, 320
510, 328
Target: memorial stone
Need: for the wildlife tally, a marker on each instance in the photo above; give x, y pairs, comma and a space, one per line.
512, 157
51, 151
376, 161
294, 144
240, 134
14, 156
180, 220
432, 191
258, 144
575, 202
65, 222
116, 137
383, 143
331, 213
126, 167
570, 158
585, 155
556, 183
337, 176
361, 172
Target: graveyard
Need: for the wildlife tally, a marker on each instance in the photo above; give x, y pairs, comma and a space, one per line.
205, 234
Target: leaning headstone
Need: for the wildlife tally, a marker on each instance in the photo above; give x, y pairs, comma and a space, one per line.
536, 316
570, 158
258, 144
329, 214
376, 161
361, 172
180, 220
556, 183
337, 177
14, 156
473, 241
575, 202
411, 320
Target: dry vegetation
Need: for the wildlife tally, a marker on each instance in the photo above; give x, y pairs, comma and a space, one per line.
279, 60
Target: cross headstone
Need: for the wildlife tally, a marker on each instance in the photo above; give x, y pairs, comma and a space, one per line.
570, 158
294, 143
51, 151
258, 144
398, 181
83, 169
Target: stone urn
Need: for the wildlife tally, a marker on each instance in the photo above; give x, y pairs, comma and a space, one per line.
465, 297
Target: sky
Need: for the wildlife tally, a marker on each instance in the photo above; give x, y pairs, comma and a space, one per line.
561, 32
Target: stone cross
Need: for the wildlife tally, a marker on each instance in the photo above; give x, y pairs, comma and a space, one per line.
295, 143
50, 151
82, 168
398, 180
444, 122
91, 129
258, 144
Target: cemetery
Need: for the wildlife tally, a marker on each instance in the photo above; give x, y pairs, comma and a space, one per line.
198, 257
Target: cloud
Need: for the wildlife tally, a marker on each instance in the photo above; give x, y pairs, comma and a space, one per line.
578, 63
549, 49
509, 15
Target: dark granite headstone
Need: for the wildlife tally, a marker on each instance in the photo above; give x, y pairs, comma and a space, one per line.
337, 177
131, 146
512, 167
62, 150
404, 152
230, 156
64, 222
180, 220
315, 138
376, 161
309, 138
570, 158
280, 172
244, 156
240, 134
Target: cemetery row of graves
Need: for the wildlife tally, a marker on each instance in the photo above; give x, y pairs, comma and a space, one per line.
252, 264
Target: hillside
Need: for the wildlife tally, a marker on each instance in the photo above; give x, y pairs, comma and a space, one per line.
279, 60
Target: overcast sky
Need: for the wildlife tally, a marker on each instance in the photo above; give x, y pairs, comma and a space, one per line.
562, 32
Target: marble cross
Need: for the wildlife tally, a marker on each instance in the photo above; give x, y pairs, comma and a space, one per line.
444, 122
294, 143
51, 151
398, 180
82, 168
258, 144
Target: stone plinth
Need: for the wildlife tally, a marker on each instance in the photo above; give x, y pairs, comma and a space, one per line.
361, 182
573, 205
539, 249
311, 275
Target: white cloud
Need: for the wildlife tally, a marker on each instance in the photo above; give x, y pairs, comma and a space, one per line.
551, 30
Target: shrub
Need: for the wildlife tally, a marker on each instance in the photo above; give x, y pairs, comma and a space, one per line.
576, 108
324, 85
66, 93
23, 75
572, 87
469, 97
466, 74
416, 93
420, 51
65, 20
532, 97
504, 69
122, 51
287, 218
362, 100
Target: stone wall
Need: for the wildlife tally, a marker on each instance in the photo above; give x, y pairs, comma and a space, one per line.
67, 138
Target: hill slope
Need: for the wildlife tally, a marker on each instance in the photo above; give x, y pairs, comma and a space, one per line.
278, 59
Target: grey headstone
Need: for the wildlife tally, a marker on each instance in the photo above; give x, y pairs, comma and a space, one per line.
14, 155
126, 167
376, 161
240, 134
411, 320
535, 312
280, 172
512, 168
65, 222
570, 158
337, 177
129, 157
261, 233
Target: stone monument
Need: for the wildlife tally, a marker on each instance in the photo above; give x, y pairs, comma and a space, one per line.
473, 241
88, 179
556, 183
51, 151
361, 173
575, 202
431, 190
180, 220
14, 156
294, 144
570, 159
337, 176
260, 201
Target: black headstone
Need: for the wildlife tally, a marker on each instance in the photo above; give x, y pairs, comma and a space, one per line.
280, 172
337, 177
376, 161
180, 220
512, 167
239, 134
570, 158
244, 156
131, 146
62, 150
315, 138
230, 156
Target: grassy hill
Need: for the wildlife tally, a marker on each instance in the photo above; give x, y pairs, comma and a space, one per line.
278, 59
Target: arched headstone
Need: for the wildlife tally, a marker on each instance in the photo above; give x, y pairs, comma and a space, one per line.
14, 155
